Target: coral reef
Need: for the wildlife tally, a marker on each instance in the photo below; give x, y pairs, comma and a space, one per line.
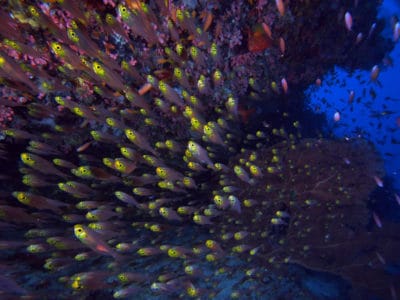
129, 169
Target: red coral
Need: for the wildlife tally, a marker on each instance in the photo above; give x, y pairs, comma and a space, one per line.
258, 40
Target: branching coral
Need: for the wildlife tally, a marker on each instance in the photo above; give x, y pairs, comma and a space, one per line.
310, 208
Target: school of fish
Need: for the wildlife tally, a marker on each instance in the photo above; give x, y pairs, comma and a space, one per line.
138, 163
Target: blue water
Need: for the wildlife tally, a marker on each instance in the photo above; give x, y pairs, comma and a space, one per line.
370, 116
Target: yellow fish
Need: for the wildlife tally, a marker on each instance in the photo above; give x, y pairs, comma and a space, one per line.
93, 240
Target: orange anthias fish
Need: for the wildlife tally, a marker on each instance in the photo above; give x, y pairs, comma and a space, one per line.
258, 40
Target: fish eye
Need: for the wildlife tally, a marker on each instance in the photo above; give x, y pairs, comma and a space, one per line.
122, 277
123, 10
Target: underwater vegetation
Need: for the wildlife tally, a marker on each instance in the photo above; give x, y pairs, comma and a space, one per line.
157, 149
